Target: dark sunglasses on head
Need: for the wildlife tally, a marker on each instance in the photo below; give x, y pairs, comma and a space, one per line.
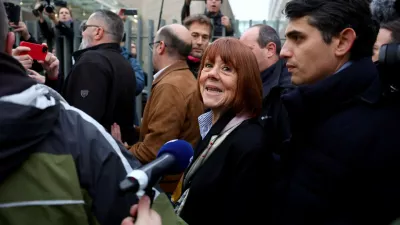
84, 26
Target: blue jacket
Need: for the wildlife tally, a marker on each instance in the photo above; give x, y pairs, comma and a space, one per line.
344, 160
137, 68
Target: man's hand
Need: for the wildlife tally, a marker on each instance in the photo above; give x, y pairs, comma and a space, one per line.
52, 16
51, 65
123, 17
116, 133
143, 213
133, 50
22, 29
20, 54
226, 22
41, 17
34, 75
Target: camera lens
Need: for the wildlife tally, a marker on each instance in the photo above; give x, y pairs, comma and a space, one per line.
38, 8
49, 9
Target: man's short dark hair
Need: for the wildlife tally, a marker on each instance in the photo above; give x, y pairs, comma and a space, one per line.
115, 26
331, 17
198, 18
176, 47
394, 27
266, 35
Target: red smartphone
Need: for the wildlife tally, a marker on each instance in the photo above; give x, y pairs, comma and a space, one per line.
37, 52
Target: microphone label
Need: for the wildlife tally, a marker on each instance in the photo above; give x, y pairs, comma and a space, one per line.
171, 141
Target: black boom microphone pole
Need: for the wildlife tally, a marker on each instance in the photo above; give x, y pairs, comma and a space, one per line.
159, 19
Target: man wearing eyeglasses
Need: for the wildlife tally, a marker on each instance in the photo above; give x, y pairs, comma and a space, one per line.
173, 107
102, 83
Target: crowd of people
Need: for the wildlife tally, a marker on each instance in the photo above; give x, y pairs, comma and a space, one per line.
291, 133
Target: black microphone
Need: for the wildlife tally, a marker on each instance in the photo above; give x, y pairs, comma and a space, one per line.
173, 158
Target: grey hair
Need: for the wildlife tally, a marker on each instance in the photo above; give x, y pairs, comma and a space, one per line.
266, 35
114, 24
3, 26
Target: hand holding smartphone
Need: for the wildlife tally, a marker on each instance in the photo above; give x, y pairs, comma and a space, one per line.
38, 52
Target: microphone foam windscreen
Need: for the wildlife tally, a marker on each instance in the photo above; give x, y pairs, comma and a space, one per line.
183, 152
384, 10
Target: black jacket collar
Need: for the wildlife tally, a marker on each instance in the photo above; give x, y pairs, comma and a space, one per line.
112, 46
360, 82
276, 75
13, 76
193, 66
215, 130
217, 15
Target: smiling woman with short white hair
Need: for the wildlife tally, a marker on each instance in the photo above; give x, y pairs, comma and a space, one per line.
221, 185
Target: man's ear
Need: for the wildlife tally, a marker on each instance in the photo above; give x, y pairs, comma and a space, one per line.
271, 49
162, 48
345, 41
10, 40
99, 34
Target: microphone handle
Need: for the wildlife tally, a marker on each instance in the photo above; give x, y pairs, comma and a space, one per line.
130, 184
148, 174
159, 165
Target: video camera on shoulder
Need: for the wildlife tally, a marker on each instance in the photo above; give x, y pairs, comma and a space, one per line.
13, 12
385, 11
389, 67
47, 6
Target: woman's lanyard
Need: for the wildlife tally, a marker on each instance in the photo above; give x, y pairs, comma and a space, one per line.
205, 155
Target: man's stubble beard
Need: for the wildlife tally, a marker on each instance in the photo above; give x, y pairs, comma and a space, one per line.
197, 55
155, 67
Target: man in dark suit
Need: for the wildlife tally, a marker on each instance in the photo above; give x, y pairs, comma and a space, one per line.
343, 164
264, 41
102, 83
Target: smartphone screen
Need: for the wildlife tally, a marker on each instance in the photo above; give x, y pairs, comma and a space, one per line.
131, 12
128, 12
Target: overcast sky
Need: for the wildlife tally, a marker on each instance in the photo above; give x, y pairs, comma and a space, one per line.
250, 9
